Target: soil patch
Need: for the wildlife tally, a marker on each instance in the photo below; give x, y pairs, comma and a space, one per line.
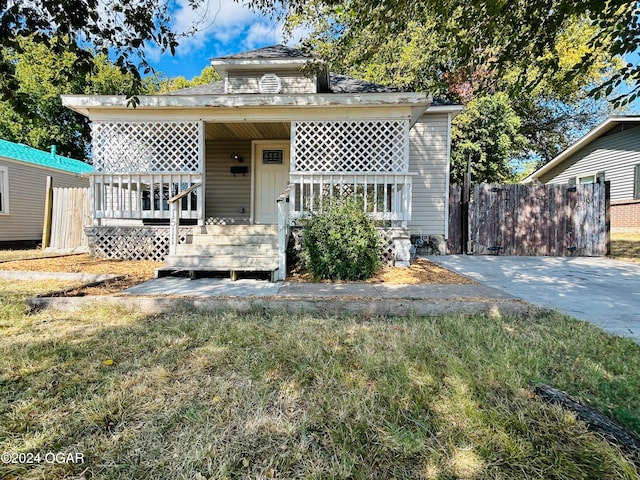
136, 271
421, 271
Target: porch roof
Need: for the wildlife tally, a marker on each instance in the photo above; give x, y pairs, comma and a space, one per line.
286, 105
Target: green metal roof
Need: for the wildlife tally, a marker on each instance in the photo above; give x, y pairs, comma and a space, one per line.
23, 153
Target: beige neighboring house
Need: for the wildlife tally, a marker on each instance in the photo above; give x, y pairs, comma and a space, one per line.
251, 154
23, 179
611, 151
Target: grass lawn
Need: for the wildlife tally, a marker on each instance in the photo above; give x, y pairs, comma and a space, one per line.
193, 396
625, 246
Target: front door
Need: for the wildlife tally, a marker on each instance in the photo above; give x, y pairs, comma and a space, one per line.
271, 176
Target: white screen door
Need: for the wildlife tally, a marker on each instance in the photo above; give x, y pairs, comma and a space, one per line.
271, 178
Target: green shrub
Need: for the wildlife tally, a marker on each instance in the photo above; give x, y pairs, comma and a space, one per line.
341, 243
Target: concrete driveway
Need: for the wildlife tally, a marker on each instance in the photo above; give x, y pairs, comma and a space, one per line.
602, 291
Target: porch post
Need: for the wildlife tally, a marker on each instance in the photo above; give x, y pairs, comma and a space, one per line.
174, 220
202, 159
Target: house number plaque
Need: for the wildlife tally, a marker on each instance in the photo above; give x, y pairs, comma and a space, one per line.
272, 157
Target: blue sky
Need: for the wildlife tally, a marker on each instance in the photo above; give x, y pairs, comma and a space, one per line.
223, 27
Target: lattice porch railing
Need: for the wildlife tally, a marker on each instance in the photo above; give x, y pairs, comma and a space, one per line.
386, 197
147, 147
350, 146
132, 196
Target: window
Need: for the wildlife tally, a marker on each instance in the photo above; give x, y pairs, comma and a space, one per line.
4, 190
636, 181
587, 179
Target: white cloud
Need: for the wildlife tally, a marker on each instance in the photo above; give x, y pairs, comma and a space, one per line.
227, 22
222, 27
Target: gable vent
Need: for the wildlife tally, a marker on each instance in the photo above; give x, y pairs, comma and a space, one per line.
270, 83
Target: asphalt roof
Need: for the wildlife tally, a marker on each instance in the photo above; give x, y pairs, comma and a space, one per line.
18, 151
337, 83
272, 52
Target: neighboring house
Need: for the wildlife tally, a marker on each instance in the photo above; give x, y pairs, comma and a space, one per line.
238, 143
611, 151
23, 179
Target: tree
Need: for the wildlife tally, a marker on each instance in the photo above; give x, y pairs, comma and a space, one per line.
497, 34
33, 113
81, 27
207, 75
537, 121
487, 133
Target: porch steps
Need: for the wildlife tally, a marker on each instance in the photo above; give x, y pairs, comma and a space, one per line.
222, 248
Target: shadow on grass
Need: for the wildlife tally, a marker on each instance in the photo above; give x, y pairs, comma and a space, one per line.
186, 395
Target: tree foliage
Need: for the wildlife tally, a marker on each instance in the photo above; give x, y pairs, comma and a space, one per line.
32, 113
500, 35
487, 134
120, 28
207, 75
416, 48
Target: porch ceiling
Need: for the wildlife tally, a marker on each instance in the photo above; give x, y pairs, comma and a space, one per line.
248, 131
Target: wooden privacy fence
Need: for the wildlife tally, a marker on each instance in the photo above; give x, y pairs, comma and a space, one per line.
531, 219
69, 214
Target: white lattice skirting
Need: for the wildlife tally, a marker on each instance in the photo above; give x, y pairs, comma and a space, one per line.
132, 243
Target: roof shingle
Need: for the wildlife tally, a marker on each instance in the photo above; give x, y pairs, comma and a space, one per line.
18, 151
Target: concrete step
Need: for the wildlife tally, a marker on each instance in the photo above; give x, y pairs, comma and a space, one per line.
222, 263
213, 250
236, 230
205, 239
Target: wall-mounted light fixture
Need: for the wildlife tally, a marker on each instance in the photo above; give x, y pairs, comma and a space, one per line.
236, 157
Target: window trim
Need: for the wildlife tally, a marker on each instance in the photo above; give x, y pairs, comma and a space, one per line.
593, 175
4, 188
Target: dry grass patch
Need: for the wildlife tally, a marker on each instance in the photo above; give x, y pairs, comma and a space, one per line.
135, 271
190, 396
10, 255
625, 246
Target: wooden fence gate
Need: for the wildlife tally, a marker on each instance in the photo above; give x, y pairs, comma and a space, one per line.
531, 219
69, 215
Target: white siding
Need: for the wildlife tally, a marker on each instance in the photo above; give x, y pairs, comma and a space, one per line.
615, 154
27, 185
292, 82
428, 141
225, 194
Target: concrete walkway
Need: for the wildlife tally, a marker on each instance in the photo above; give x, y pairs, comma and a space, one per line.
599, 290
215, 294
219, 287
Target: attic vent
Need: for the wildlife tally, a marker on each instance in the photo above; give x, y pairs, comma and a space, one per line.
270, 83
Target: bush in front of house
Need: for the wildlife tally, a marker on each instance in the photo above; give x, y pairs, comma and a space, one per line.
341, 243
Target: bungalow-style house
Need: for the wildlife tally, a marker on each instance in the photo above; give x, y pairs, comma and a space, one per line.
213, 176
611, 151
23, 180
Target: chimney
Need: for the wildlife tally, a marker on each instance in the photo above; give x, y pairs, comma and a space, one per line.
53, 151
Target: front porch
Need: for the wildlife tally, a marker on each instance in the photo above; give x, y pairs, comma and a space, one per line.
160, 187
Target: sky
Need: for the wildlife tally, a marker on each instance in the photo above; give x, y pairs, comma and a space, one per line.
224, 27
